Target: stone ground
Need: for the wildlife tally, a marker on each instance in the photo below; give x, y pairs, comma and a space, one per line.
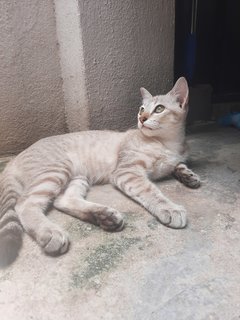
147, 271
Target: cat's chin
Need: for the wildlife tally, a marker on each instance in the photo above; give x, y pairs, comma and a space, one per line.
146, 131
146, 128
143, 127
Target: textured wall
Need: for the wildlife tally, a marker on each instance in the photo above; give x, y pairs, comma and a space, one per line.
31, 98
108, 49
127, 44
69, 36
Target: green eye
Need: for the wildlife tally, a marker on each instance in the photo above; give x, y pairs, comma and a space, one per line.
141, 109
159, 109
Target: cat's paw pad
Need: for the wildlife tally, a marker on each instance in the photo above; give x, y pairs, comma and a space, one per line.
53, 240
175, 217
190, 179
110, 220
187, 177
193, 181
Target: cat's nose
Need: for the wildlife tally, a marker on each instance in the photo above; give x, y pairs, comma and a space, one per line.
143, 119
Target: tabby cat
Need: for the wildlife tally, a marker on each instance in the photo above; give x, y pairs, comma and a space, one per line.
58, 171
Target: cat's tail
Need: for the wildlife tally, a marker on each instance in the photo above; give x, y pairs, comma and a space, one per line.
10, 226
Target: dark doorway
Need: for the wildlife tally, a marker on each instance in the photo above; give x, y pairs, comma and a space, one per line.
211, 53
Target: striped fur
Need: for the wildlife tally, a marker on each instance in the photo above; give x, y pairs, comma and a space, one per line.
58, 171
10, 227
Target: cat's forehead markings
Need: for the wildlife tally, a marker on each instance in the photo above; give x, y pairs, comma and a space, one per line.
155, 99
148, 108
151, 106
159, 99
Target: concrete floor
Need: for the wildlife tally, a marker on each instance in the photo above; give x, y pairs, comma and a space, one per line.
147, 271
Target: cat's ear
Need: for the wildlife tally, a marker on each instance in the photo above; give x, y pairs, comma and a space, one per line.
145, 94
180, 91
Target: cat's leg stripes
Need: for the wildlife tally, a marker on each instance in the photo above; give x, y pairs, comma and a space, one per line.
139, 188
31, 209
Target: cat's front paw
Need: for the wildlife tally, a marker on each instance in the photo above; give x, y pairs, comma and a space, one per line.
172, 217
192, 180
53, 240
110, 220
187, 176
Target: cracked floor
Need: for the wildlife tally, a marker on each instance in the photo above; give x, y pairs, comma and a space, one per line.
147, 271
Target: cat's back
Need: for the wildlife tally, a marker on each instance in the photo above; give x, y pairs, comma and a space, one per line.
92, 150
63, 144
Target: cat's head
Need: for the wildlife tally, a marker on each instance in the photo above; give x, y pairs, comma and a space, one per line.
164, 112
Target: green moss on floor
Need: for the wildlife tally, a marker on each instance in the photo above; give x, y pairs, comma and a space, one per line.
103, 258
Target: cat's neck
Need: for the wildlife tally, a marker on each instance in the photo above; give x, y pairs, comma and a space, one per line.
173, 140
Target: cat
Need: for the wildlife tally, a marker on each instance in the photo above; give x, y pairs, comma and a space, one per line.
58, 171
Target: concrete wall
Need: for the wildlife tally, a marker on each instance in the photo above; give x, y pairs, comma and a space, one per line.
31, 98
78, 64
127, 44
71, 53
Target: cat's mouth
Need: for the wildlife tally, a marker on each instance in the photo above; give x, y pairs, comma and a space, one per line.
142, 126
146, 127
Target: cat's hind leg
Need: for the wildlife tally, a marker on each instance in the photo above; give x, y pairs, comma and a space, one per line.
186, 176
73, 203
31, 209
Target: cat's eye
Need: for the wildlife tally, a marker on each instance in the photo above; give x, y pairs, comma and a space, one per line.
159, 108
141, 109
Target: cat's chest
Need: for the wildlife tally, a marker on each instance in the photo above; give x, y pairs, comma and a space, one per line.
163, 164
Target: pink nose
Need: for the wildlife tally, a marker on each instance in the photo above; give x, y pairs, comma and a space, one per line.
143, 119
